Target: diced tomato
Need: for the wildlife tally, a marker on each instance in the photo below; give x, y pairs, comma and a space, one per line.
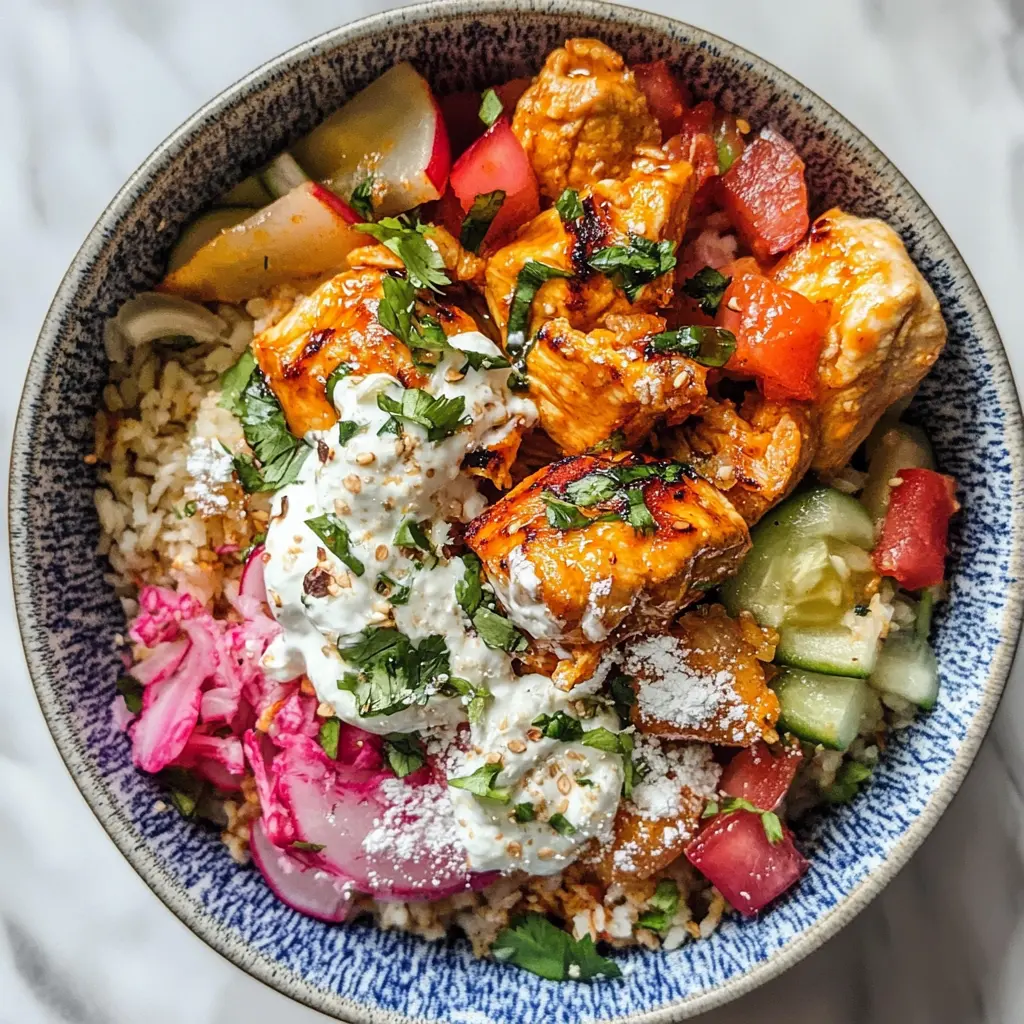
779, 335
734, 853
913, 543
497, 160
728, 140
741, 265
765, 194
510, 92
759, 776
448, 212
666, 99
461, 112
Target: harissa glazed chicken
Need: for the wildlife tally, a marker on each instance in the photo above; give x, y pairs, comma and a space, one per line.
509, 500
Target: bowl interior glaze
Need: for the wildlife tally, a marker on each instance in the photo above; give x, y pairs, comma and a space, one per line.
69, 616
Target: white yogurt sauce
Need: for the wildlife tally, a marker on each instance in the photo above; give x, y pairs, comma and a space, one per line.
374, 483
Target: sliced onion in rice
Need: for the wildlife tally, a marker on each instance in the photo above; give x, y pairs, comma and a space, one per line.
150, 316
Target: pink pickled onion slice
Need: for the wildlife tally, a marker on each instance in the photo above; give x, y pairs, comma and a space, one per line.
253, 578
160, 662
170, 709
361, 750
296, 716
309, 890
161, 612
123, 718
219, 759
277, 818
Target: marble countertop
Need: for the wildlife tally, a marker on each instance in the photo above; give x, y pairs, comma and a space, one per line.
89, 87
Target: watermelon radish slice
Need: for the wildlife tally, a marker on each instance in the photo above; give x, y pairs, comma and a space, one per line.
308, 889
393, 130
306, 233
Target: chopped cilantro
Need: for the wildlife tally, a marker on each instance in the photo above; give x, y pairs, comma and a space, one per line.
497, 632
637, 514
347, 429
615, 442
189, 509
362, 198
847, 782
480, 605
328, 736
301, 844
233, 382
478, 697
634, 265
707, 286
131, 690
532, 275
481, 783
621, 688
484, 361
560, 726
334, 533
404, 753
533, 943
561, 824
341, 371
483, 211
603, 739
421, 333
406, 238
709, 346
491, 107
411, 535
663, 906
769, 819
525, 812
569, 206
394, 591
440, 416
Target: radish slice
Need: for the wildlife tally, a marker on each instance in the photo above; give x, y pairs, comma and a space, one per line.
306, 233
309, 890
253, 575
150, 316
170, 709
393, 840
392, 130
163, 660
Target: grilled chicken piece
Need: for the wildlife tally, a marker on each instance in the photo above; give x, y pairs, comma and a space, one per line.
885, 327
592, 387
756, 454
702, 681
583, 117
652, 201
585, 583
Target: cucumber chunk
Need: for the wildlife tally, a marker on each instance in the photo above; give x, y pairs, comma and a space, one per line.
908, 668
790, 562
835, 651
202, 230
282, 174
820, 708
899, 446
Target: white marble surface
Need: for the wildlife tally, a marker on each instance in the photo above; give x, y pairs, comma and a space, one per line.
89, 87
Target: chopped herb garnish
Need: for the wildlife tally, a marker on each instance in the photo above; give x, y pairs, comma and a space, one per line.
620, 686
189, 509
334, 533
277, 451
564, 515
301, 844
663, 906
484, 361
769, 819
393, 673
707, 286
847, 782
532, 275
328, 736
362, 198
533, 943
481, 783
184, 803
233, 382
560, 726
347, 429
254, 542
404, 753
585, 782
341, 371
525, 812
131, 690
709, 346
478, 696
407, 240
396, 311
615, 442
638, 515
634, 265
394, 591
491, 107
480, 605
561, 824
411, 535
483, 211
569, 206
440, 416
603, 739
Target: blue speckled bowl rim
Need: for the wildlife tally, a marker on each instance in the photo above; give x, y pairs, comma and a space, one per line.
263, 968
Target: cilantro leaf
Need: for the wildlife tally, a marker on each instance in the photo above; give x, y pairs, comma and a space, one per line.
233, 382
663, 906
772, 827
497, 632
533, 943
569, 206
532, 275
328, 736
361, 199
624, 696
769, 819
638, 515
407, 240
707, 286
709, 346
847, 782
560, 726
404, 753
564, 515
131, 690
476, 223
484, 361
347, 429
478, 696
491, 107
634, 265
469, 591
603, 739
301, 844
423, 335
615, 442
411, 535
481, 783
334, 533
341, 371
592, 489
525, 812
397, 593
561, 824
440, 416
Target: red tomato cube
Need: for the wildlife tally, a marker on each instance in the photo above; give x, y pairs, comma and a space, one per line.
759, 776
665, 97
765, 194
779, 335
497, 160
734, 853
913, 543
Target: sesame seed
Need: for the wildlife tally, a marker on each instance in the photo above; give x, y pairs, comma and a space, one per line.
534, 734
680, 379
564, 785
324, 710
545, 853
493, 758
365, 458
514, 849
353, 483
895, 481
733, 304
344, 581
452, 375
516, 746
743, 125
341, 507
381, 553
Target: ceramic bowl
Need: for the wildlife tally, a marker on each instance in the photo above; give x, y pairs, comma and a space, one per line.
68, 615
